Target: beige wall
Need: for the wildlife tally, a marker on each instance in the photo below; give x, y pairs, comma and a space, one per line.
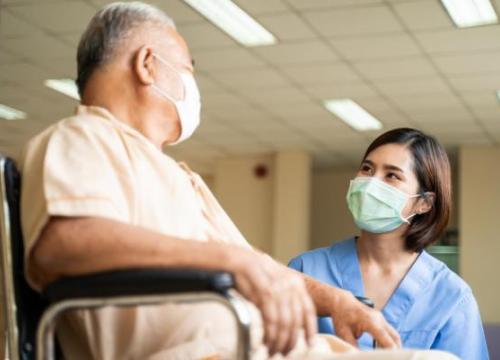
272, 212
330, 218
479, 216
291, 205
247, 199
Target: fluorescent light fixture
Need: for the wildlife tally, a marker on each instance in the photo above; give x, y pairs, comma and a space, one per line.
64, 86
467, 13
353, 114
8, 113
234, 21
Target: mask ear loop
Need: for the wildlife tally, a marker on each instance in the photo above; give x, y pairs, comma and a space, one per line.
422, 194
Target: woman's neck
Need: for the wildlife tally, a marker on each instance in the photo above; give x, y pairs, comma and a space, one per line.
386, 251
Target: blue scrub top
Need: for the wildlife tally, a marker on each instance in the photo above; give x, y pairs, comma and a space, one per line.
432, 308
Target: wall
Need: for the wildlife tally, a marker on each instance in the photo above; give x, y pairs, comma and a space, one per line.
248, 200
271, 211
479, 215
330, 218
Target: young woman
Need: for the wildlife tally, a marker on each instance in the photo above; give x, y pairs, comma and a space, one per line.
400, 200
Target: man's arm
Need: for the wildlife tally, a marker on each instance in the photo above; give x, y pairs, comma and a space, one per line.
74, 246
350, 317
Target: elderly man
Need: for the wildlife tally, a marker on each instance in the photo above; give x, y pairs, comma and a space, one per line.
99, 194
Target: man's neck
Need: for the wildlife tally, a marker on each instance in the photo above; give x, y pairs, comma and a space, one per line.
156, 127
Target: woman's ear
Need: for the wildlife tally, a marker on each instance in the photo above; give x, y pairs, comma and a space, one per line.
426, 202
143, 65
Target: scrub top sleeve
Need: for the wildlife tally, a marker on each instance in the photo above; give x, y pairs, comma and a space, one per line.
463, 333
296, 264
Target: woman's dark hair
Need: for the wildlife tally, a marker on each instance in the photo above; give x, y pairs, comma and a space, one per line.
432, 168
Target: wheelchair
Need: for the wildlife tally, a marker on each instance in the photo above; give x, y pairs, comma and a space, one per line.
30, 318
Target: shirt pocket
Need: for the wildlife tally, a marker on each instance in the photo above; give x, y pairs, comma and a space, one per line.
418, 339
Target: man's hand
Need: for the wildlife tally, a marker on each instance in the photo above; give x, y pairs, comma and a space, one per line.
280, 295
352, 318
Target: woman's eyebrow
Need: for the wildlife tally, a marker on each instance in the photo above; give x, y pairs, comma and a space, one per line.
393, 167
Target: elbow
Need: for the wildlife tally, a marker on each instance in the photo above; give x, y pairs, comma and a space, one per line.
45, 261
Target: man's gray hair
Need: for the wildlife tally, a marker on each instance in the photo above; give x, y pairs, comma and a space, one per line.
107, 30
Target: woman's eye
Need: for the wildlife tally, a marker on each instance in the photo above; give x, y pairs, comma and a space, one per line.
365, 168
393, 176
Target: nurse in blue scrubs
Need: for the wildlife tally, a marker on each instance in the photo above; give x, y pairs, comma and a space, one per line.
400, 200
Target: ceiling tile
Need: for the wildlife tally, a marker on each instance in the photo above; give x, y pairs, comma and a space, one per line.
271, 96
256, 7
22, 73
177, 9
47, 16
11, 26
424, 85
322, 4
475, 63
338, 73
204, 36
287, 26
425, 102
460, 40
480, 99
296, 53
59, 68
8, 58
252, 78
445, 115
305, 108
423, 15
233, 58
396, 69
354, 21
376, 47
340, 91
490, 82
38, 46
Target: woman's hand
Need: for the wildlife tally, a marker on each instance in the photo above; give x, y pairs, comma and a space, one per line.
352, 318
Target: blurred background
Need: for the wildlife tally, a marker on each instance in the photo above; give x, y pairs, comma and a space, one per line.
293, 91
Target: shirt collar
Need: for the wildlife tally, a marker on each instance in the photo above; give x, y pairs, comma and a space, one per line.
346, 257
415, 281
105, 114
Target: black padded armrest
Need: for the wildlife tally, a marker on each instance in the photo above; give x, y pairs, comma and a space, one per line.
132, 282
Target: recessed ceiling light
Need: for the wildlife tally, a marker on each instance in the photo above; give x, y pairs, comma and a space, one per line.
234, 21
8, 113
353, 114
64, 86
467, 13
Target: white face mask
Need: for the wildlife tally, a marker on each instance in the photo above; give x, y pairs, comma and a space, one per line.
188, 108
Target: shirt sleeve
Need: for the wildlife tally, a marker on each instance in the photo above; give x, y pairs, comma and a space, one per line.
85, 173
463, 333
296, 264
79, 169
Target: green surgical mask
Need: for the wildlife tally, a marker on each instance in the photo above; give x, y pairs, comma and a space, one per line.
377, 206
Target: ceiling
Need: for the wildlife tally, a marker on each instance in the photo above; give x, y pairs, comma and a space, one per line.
402, 60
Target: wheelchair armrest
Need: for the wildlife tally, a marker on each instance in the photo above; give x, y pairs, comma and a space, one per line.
136, 282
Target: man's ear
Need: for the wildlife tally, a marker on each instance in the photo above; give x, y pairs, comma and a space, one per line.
426, 202
143, 65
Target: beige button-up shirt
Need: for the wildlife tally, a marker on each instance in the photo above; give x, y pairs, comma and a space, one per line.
91, 164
